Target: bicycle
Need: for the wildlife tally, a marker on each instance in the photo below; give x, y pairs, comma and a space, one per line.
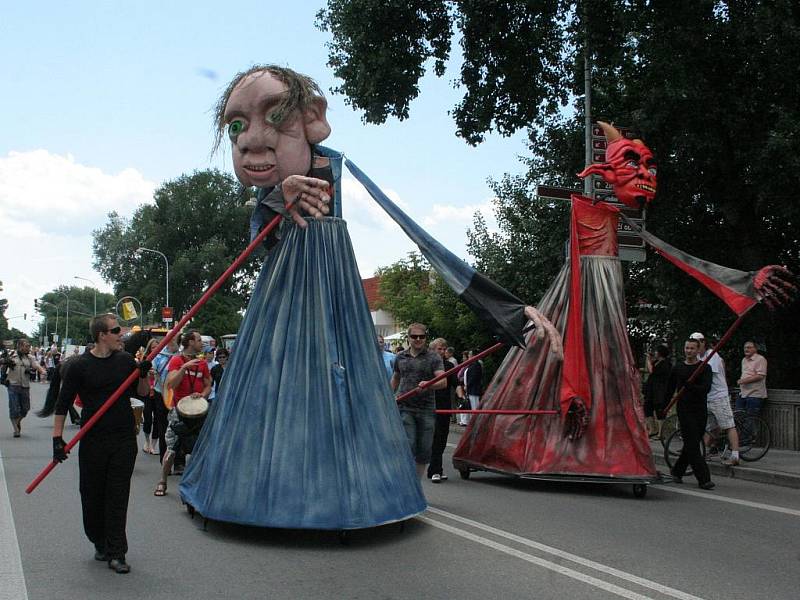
755, 439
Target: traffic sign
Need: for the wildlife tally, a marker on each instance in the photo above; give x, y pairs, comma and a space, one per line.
166, 314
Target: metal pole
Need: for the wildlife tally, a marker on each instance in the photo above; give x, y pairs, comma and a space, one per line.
94, 287
66, 332
166, 263
587, 107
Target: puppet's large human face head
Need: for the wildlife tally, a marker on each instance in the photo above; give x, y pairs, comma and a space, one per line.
630, 168
270, 131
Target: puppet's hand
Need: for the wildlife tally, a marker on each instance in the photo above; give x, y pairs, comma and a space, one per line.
306, 195
545, 329
775, 285
577, 419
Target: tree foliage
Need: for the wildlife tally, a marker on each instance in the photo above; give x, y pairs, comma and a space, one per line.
199, 222
6, 332
710, 85
413, 293
53, 307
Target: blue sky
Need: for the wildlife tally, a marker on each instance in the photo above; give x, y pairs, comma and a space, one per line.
104, 101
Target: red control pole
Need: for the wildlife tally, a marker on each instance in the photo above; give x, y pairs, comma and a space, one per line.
172, 333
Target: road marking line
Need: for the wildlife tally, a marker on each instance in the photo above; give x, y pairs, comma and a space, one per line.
710, 496
566, 571
647, 583
11, 573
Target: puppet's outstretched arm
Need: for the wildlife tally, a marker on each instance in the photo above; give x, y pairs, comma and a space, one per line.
504, 313
740, 290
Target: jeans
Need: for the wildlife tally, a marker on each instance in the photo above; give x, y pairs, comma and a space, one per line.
19, 401
419, 430
750, 404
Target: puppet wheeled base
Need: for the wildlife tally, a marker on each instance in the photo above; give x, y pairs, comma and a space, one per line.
640, 484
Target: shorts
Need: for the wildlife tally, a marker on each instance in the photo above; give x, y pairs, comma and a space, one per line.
170, 436
419, 426
720, 415
19, 401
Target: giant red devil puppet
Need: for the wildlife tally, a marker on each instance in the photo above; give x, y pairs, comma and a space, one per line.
601, 431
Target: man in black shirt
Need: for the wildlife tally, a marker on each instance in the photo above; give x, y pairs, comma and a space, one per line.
108, 450
692, 414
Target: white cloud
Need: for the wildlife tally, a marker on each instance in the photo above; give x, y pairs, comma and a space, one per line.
49, 205
378, 241
56, 194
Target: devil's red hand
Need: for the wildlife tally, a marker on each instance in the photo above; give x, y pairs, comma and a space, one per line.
776, 286
577, 419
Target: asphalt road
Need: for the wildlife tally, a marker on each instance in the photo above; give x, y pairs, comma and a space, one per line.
489, 537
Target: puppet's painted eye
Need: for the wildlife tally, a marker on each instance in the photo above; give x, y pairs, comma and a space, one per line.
275, 117
633, 164
652, 171
235, 128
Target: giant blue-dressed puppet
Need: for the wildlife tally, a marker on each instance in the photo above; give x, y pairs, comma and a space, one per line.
305, 431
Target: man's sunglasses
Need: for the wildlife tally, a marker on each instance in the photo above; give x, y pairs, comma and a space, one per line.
418, 337
114, 330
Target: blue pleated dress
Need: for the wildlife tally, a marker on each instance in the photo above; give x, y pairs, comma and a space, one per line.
304, 431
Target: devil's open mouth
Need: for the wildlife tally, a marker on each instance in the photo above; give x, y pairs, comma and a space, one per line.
646, 188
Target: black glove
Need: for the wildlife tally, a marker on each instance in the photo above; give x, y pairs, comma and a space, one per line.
144, 368
59, 449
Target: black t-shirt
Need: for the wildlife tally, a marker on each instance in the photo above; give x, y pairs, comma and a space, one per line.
694, 398
94, 380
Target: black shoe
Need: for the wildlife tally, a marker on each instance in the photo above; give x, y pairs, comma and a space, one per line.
119, 565
707, 485
676, 478
101, 556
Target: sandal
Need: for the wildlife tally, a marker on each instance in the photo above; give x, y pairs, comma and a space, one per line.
161, 489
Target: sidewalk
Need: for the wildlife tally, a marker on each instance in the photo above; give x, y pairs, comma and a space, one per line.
778, 467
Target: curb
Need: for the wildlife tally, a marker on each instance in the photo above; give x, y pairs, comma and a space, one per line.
780, 478
745, 473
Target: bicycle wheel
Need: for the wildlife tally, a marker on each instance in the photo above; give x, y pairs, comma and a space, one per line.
668, 427
755, 436
673, 449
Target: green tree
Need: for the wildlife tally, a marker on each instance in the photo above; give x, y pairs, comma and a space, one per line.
413, 292
200, 223
53, 306
708, 84
6, 333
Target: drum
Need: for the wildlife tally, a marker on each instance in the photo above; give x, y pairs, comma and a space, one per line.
138, 412
192, 408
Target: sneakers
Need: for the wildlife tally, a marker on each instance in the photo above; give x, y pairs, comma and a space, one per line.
119, 565
436, 478
707, 485
731, 461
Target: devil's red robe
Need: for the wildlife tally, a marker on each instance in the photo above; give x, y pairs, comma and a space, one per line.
598, 367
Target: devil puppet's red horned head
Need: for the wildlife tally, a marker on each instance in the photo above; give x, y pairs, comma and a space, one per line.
630, 168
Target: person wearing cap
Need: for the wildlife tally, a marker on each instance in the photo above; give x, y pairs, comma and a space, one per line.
692, 413
187, 376
720, 415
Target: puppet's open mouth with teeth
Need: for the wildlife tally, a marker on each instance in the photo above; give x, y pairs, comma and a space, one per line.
646, 188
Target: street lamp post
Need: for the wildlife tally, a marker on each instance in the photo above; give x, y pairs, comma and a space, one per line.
54, 306
66, 331
94, 287
166, 264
